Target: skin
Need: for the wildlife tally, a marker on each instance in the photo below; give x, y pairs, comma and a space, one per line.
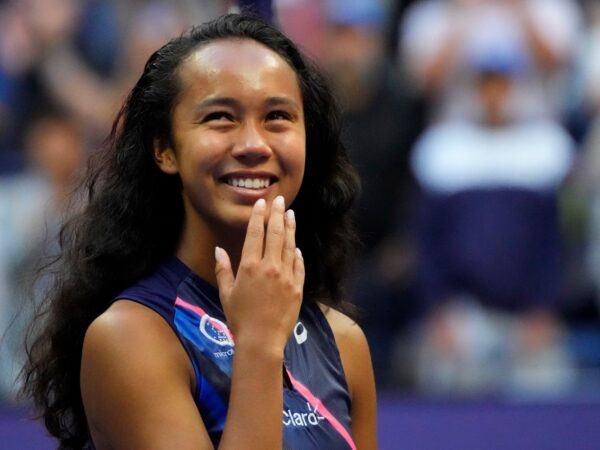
137, 381
493, 91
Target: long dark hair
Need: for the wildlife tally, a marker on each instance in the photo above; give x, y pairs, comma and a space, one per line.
133, 216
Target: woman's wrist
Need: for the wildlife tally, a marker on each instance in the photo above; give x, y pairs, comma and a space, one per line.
259, 348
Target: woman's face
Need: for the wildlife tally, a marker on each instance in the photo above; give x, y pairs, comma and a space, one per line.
238, 132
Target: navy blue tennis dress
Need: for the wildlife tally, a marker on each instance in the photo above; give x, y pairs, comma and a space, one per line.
316, 404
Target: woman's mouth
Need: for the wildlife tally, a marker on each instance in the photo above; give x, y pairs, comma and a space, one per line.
249, 182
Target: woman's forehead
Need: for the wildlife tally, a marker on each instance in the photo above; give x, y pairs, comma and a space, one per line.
232, 53
238, 63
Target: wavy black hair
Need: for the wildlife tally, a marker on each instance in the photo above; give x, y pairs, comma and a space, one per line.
133, 214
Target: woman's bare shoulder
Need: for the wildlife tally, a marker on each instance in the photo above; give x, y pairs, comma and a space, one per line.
128, 327
122, 318
344, 328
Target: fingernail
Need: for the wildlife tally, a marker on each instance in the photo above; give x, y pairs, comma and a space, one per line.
299, 252
279, 201
219, 253
261, 204
290, 216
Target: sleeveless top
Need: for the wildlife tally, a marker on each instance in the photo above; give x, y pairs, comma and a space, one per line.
316, 403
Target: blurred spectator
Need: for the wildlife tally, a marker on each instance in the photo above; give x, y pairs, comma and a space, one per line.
439, 37
590, 170
81, 55
490, 245
586, 189
303, 21
72, 82
34, 30
378, 128
31, 208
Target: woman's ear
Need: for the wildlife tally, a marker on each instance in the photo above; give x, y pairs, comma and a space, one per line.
164, 156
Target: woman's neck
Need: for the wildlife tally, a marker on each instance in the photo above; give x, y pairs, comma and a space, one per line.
197, 248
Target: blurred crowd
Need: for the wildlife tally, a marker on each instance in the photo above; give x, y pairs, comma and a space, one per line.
474, 124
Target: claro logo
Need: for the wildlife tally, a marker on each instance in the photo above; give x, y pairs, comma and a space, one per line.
302, 419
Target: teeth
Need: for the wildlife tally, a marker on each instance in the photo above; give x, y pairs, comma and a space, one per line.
249, 183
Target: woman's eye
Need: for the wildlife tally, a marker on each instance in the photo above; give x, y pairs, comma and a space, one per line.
219, 116
278, 115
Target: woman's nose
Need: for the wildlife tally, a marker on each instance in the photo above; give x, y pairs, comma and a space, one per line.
252, 145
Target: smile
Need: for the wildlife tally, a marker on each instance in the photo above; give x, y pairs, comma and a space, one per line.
249, 183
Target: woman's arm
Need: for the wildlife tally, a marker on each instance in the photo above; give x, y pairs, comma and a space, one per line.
356, 361
137, 383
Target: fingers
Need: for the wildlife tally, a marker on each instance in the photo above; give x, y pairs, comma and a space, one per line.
268, 286
289, 245
279, 239
275, 236
253, 244
298, 267
223, 272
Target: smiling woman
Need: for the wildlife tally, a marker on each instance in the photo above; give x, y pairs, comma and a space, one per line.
183, 313
238, 135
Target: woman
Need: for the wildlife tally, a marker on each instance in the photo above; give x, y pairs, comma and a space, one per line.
185, 247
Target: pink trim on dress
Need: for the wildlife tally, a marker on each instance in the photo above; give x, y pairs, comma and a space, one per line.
317, 404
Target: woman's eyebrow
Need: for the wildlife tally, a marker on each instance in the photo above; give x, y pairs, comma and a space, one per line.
218, 101
274, 101
235, 103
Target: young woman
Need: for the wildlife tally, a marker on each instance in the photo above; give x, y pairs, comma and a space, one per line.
184, 314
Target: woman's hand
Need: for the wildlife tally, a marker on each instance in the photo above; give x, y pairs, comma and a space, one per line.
262, 302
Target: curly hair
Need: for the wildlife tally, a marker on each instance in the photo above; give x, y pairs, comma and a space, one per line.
133, 215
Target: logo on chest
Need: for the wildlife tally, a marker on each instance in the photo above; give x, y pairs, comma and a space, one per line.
308, 418
300, 333
215, 331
